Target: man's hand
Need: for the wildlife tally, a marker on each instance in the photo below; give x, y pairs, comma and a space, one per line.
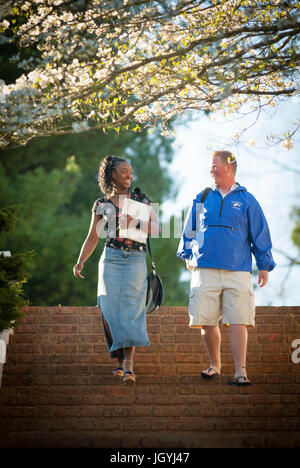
190, 268
263, 277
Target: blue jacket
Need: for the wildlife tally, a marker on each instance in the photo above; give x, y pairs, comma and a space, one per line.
226, 232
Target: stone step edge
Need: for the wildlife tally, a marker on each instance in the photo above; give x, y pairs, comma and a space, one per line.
4, 341
164, 310
158, 441
167, 380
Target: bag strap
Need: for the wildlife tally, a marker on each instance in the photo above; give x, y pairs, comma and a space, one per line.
150, 253
204, 194
141, 195
202, 199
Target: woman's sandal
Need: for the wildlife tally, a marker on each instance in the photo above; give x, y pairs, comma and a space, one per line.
129, 377
118, 372
240, 380
210, 376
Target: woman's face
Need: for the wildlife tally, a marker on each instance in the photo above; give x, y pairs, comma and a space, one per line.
123, 175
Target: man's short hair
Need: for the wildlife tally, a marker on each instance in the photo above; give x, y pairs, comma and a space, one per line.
227, 158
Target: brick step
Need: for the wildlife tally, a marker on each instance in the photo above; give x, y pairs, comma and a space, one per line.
163, 385
54, 419
57, 353
43, 374
167, 322
169, 326
181, 399
149, 440
290, 376
59, 341
166, 316
58, 390
176, 352
184, 414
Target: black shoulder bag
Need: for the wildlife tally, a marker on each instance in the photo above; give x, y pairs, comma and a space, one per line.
155, 290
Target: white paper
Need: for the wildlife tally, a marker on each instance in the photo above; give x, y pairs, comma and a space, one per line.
137, 235
138, 211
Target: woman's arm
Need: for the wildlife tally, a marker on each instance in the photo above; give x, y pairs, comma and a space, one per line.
88, 246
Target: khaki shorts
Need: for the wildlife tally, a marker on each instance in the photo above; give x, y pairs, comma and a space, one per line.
216, 294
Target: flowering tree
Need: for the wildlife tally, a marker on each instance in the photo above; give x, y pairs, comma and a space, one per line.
127, 64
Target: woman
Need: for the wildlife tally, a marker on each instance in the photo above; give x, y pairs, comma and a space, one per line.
122, 267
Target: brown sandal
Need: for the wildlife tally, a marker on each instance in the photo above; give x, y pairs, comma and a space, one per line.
240, 380
210, 376
129, 377
118, 372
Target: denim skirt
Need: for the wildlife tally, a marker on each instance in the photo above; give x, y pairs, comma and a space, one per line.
122, 284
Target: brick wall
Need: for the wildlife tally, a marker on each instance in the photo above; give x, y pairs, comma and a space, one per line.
58, 389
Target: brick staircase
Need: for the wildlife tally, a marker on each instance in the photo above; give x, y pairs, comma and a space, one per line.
57, 390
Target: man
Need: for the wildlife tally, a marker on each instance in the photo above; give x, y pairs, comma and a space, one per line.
219, 237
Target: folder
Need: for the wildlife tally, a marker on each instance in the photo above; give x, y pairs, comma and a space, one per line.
138, 211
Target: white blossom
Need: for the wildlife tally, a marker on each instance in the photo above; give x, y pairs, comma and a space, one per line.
80, 126
4, 24
251, 142
4, 91
104, 64
287, 144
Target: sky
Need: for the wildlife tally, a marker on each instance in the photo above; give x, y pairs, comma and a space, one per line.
259, 170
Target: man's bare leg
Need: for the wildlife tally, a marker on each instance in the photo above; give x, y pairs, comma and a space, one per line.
212, 341
238, 339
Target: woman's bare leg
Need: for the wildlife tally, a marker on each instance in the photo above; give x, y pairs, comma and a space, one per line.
129, 353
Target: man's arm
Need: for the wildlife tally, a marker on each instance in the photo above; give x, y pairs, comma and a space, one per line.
260, 238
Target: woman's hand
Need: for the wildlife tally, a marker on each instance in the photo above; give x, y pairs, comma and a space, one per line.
77, 269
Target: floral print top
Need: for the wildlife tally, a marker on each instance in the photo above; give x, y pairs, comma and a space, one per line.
111, 213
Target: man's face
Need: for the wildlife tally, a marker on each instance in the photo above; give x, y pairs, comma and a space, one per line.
218, 170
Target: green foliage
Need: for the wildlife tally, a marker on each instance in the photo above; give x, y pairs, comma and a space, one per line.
44, 227
8, 218
296, 235
55, 182
13, 275
296, 231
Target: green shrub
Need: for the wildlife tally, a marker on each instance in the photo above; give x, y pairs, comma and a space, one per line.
12, 274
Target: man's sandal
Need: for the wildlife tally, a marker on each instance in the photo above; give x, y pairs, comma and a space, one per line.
240, 380
210, 376
129, 377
